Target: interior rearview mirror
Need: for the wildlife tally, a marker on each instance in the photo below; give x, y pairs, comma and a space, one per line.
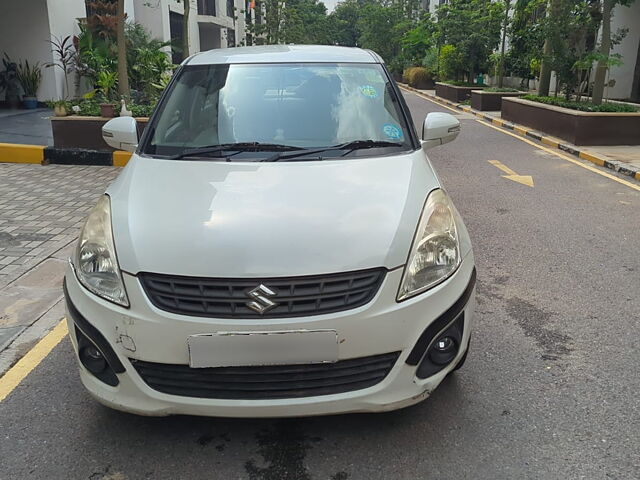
439, 128
121, 133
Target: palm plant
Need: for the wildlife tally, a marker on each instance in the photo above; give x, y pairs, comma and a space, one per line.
29, 77
64, 52
9, 82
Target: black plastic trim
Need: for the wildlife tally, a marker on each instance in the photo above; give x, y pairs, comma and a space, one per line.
455, 330
107, 375
404, 108
441, 322
77, 156
286, 297
93, 334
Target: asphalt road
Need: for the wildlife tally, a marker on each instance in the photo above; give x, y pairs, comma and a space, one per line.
550, 388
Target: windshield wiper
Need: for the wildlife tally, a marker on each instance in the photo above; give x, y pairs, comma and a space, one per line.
240, 147
350, 146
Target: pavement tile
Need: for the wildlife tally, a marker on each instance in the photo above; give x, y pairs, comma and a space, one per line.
7, 334
42, 209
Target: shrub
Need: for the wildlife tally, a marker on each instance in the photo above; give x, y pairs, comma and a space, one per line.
406, 73
419, 77
582, 106
450, 63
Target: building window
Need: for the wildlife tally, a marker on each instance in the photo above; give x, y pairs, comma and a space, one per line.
230, 8
231, 37
177, 34
207, 7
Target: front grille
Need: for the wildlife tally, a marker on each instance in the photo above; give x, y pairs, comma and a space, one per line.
267, 382
294, 296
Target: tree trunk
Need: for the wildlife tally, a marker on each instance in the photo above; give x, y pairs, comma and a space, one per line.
123, 76
185, 28
547, 50
635, 89
605, 47
507, 4
545, 70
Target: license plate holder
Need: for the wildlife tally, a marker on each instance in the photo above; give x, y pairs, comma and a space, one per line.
235, 349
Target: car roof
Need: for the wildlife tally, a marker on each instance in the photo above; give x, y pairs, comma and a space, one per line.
284, 54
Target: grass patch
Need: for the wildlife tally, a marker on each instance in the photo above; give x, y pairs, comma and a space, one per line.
501, 90
582, 106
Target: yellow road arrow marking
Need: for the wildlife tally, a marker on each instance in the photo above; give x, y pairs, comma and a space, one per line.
511, 175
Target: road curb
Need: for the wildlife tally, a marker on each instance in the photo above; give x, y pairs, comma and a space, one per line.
43, 155
523, 131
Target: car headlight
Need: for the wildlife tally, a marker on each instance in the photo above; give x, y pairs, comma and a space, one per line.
96, 264
435, 252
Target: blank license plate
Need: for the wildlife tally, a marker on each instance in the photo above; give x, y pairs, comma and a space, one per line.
233, 349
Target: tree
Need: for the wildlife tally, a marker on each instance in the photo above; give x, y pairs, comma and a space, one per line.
123, 76
605, 48
343, 23
473, 27
526, 39
305, 22
417, 42
268, 29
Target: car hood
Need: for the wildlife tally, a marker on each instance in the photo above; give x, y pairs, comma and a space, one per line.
227, 219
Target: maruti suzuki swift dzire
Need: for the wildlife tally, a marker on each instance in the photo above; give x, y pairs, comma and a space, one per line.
278, 245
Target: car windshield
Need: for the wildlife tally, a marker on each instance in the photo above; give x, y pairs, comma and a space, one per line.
306, 106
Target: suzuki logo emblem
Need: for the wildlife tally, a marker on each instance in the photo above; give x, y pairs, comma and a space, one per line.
261, 302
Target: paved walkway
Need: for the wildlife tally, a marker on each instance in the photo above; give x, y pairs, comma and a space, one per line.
29, 127
42, 209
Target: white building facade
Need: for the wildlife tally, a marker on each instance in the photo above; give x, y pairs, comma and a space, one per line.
27, 26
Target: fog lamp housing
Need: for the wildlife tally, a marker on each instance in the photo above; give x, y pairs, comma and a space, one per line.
443, 349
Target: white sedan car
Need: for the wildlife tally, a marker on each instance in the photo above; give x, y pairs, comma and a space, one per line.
278, 245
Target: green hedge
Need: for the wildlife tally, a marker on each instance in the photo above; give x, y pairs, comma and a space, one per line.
456, 83
582, 106
501, 90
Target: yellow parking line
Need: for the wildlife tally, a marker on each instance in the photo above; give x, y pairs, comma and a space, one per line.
16, 153
10, 380
565, 157
120, 158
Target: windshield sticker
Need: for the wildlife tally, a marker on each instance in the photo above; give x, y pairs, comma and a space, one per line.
369, 91
392, 131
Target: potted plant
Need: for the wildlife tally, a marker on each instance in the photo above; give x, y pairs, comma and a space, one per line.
60, 108
106, 82
29, 77
9, 82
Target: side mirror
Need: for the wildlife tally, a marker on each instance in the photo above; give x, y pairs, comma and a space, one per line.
121, 133
439, 128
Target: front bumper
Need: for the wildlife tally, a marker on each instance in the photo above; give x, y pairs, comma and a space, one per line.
148, 334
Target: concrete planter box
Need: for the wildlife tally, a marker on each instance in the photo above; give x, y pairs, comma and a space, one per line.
453, 92
490, 101
579, 128
84, 132
426, 85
